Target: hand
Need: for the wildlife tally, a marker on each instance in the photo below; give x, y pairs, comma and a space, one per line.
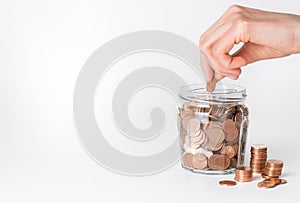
265, 35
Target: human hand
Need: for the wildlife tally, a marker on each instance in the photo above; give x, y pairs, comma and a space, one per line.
265, 35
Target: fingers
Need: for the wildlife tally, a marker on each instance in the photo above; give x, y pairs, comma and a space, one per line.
207, 69
265, 35
217, 46
211, 75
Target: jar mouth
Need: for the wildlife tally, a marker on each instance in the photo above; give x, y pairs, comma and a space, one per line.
223, 93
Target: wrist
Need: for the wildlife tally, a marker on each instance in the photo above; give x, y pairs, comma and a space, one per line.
296, 35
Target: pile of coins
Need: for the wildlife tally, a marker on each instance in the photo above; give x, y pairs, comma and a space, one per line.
258, 158
211, 136
270, 170
271, 182
243, 174
273, 169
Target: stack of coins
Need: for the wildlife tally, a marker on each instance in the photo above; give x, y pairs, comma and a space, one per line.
273, 169
243, 174
258, 158
209, 135
270, 170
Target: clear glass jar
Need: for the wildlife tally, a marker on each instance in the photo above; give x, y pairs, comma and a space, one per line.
213, 128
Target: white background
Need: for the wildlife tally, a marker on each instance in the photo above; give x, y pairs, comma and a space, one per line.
44, 44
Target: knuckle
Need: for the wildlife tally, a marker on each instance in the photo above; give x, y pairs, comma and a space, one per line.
216, 50
234, 8
242, 27
204, 45
221, 70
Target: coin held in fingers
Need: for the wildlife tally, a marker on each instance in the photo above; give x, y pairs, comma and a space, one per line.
210, 86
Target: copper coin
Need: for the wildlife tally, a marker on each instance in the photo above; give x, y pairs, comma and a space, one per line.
193, 125
259, 147
199, 161
266, 184
229, 151
276, 181
275, 163
266, 176
215, 124
236, 147
210, 86
227, 182
244, 169
199, 140
233, 162
233, 135
215, 147
185, 121
195, 145
218, 162
228, 125
187, 160
283, 181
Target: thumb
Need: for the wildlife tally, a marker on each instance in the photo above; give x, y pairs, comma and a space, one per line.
249, 53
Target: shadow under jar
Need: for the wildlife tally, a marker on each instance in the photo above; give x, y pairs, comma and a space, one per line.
213, 128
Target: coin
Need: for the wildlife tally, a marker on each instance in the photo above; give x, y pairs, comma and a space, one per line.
283, 181
274, 163
266, 176
187, 160
227, 182
260, 147
186, 120
266, 184
228, 126
232, 135
233, 162
195, 145
199, 139
215, 139
218, 162
199, 161
277, 181
210, 86
193, 125
229, 151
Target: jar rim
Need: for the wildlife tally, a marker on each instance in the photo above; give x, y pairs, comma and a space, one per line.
223, 93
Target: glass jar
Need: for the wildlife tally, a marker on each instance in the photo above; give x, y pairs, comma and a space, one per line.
213, 128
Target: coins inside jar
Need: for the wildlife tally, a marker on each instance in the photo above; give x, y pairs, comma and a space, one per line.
212, 136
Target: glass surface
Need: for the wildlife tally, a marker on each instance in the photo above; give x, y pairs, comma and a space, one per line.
213, 128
